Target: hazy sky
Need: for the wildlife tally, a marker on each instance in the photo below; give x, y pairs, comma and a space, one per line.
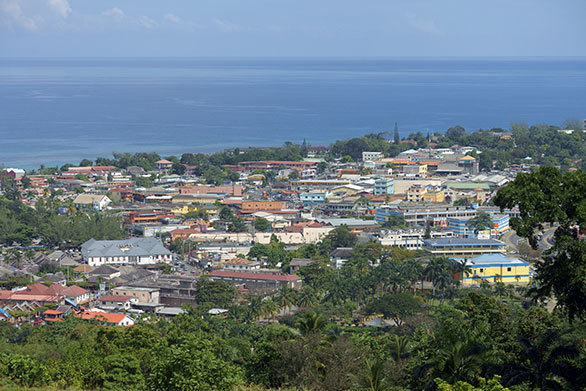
292, 28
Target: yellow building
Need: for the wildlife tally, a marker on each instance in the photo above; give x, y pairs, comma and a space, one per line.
497, 268
436, 197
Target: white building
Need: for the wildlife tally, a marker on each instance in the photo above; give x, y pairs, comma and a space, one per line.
135, 251
92, 201
371, 156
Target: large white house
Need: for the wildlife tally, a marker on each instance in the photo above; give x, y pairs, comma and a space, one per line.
134, 251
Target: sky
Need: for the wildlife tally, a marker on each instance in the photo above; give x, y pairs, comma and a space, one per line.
292, 28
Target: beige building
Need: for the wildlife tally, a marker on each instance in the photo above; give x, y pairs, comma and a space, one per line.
144, 295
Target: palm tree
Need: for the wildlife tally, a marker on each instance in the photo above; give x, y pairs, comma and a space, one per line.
462, 268
436, 269
311, 323
306, 298
545, 362
286, 298
399, 347
374, 376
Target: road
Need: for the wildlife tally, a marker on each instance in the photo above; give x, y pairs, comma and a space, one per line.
512, 239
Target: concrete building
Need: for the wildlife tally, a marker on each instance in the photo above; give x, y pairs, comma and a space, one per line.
92, 201
384, 186
142, 294
500, 224
135, 251
497, 268
409, 238
371, 156
462, 247
258, 283
313, 197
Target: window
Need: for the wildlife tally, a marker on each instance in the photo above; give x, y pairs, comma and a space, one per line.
481, 270
508, 269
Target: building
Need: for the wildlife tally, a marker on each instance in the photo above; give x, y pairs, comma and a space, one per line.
416, 170
261, 205
409, 238
106, 318
117, 302
241, 264
500, 224
339, 256
462, 247
384, 186
421, 214
313, 197
468, 164
135, 251
371, 156
497, 268
92, 201
258, 283
163, 165
415, 193
142, 294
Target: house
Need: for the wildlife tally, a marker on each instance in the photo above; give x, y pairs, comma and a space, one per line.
105, 272
118, 302
107, 318
142, 294
313, 197
135, 251
53, 316
241, 264
163, 165
340, 256
297, 263
497, 268
92, 201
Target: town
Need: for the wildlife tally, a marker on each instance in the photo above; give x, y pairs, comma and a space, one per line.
142, 238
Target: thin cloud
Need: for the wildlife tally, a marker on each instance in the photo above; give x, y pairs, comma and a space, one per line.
172, 18
116, 12
423, 25
61, 7
226, 26
147, 22
11, 15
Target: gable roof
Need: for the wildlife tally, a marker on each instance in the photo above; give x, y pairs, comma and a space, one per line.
121, 248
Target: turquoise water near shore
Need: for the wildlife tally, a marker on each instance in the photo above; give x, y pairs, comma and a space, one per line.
54, 111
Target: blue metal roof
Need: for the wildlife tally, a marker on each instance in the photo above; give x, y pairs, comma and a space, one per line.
462, 242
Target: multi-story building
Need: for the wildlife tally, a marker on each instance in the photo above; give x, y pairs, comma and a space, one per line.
371, 156
415, 193
142, 294
462, 247
500, 224
384, 186
258, 282
409, 238
497, 268
313, 197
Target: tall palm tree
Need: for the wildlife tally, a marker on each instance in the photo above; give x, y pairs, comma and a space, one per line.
311, 323
546, 362
399, 347
374, 378
286, 298
307, 298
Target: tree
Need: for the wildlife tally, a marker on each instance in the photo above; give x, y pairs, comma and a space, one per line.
394, 221
395, 306
85, 163
397, 138
122, 371
480, 222
455, 133
191, 365
262, 224
226, 213
237, 225
341, 237
311, 323
462, 202
178, 168
219, 293
546, 197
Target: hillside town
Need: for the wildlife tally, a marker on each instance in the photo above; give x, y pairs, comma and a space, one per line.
433, 202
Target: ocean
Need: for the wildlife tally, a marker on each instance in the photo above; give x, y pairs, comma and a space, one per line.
55, 111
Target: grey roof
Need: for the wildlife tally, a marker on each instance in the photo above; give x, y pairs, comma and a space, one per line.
350, 222
103, 270
341, 252
121, 248
452, 242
